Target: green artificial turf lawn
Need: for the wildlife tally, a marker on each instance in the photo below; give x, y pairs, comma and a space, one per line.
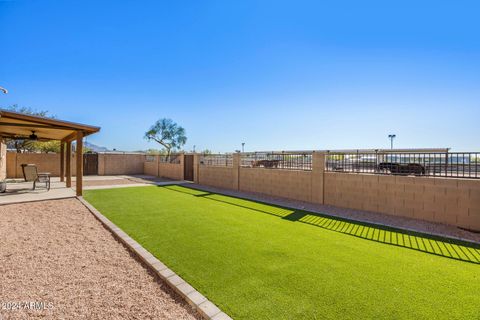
258, 261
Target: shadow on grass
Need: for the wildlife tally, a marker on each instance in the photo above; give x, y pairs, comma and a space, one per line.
444, 247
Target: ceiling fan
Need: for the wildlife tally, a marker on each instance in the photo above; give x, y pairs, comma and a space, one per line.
33, 136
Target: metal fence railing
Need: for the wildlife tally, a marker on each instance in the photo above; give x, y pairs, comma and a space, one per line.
173, 158
217, 160
277, 160
437, 164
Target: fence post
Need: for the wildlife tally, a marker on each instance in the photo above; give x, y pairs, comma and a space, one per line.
3, 159
157, 160
318, 177
446, 164
182, 165
196, 168
236, 170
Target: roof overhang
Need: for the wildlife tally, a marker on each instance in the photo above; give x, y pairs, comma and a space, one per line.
20, 126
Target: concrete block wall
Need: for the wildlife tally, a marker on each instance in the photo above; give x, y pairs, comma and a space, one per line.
151, 167
196, 168
46, 162
468, 204
317, 176
171, 170
291, 184
444, 200
221, 177
162, 169
108, 164
120, 163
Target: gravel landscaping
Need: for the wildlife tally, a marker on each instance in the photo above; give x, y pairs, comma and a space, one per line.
56, 255
93, 181
120, 181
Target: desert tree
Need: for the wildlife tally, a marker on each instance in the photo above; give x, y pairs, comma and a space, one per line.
168, 134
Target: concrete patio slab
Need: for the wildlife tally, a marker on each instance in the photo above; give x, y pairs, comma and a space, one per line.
18, 192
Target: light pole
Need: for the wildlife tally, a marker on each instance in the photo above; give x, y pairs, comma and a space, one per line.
3, 90
243, 146
391, 137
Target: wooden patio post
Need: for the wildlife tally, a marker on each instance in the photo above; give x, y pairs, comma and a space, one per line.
62, 161
79, 154
68, 167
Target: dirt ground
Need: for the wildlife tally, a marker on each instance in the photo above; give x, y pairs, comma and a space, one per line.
122, 180
91, 183
57, 261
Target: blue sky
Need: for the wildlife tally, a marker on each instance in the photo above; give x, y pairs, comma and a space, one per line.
277, 75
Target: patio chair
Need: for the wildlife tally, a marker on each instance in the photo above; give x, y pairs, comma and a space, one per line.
30, 173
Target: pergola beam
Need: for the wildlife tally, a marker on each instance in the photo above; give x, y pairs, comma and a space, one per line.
33, 125
17, 137
68, 166
4, 114
70, 137
62, 161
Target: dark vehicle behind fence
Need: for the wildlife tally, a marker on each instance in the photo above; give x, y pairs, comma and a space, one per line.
437, 164
401, 168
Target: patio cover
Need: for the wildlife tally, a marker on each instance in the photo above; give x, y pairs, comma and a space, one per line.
20, 126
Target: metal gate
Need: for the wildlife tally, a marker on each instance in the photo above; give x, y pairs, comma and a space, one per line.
90, 164
188, 167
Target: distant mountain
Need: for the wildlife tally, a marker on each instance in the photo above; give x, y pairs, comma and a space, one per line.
94, 147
